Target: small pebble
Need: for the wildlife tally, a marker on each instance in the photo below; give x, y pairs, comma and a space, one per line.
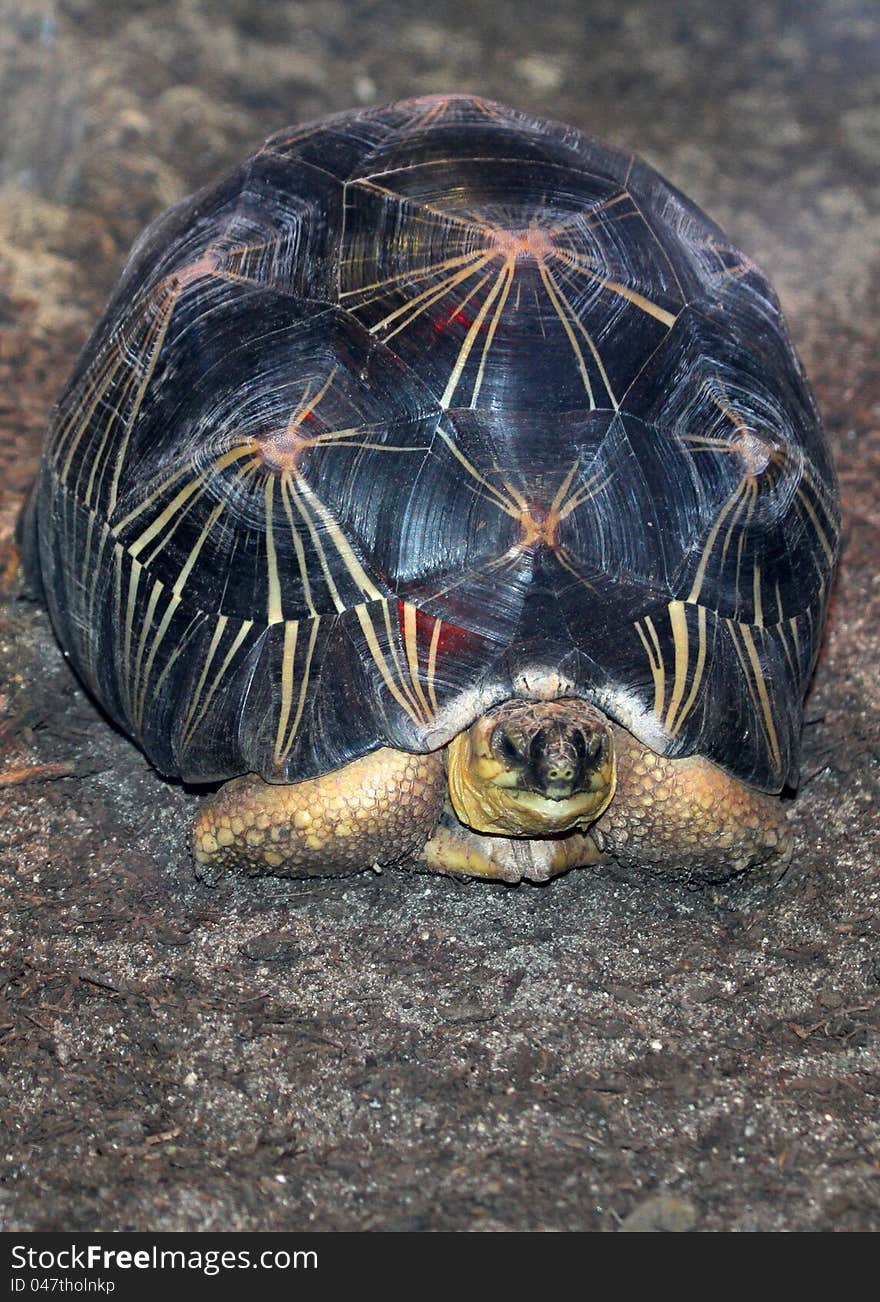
661, 1214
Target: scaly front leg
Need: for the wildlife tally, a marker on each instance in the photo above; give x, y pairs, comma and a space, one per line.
379, 809
687, 818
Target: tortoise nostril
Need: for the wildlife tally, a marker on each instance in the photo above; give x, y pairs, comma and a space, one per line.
560, 775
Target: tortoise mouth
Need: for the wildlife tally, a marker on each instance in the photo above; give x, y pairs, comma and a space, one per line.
532, 768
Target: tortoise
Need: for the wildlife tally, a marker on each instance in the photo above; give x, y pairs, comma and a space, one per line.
445, 483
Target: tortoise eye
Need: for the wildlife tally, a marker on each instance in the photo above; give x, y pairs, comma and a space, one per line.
588, 747
506, 748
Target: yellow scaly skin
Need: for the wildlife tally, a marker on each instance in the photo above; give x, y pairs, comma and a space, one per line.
455, 811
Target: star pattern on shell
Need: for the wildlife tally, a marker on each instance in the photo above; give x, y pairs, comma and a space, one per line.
416, 403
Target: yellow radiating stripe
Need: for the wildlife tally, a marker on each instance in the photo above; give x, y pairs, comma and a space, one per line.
470, 338
282, 747
411, 276
747, 505
414, 307
632, 296
274, 613
822, 499
118, 553
665, 255
316, 542
579, 325
585, 492
564, 559
369, 631
705, 443
572, 338
447, 218
221, 672
175, 654
115, 415
603, 207
490, 333
191, 724
725, 406
432, 663
287, 658
700, 575
133, 580
161, 520
412, 653
414, 694
307, 669
638, 300
94, 384
150, 499
286, 490
556, 505
512, 507
751, 499
222, 621
191, 559
698, 670
779, 629
96, 568
766, 708
139, 397
166, 537
732, 627
820, 532
398, 667
756, 596
678, 622
340, 542
655, 660
87, 550
166, 516
155, 593
307, 404
339, 439
757, 689
173, 603
474, 289
82, 426
652, 631
793, 625
69, 509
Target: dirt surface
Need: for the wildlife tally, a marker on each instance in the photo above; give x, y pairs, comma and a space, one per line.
395, 1051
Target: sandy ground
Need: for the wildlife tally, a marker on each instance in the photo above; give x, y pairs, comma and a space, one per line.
394, 1051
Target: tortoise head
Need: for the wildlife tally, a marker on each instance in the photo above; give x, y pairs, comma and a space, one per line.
532, 768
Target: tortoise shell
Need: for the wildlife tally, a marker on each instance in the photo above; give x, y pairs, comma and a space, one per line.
421, 408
